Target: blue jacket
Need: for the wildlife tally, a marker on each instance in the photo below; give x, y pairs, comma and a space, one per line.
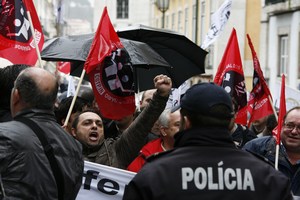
265, 146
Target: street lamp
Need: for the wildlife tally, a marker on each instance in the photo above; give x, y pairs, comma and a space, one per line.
163, 6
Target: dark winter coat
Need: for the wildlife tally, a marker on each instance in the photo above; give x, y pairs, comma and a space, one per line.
24, 168
205, 164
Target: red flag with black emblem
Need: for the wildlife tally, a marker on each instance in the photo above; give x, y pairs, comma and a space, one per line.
259, 104
106, 41
110, 72
230, 76
16, 39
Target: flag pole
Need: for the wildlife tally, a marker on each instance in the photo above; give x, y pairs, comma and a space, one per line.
276, 155
282, 112
34, 40
74, 98
277, 145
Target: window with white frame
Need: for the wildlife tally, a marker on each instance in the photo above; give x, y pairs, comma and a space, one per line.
179, 21
299, 58
194, 21
186, 20
202, 21
167, 22
210, 57
122, 9
173, 22
283, 55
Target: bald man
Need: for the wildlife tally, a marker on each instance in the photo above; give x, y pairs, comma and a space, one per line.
26, 171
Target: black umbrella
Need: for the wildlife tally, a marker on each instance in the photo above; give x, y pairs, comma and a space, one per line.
75, 49
186, 58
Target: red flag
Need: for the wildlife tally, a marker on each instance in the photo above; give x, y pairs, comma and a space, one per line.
105, 41
16, 41
282, 111
63, 67
111, 76
259, 104
230, 76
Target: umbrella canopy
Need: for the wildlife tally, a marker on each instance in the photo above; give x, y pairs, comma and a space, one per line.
186, 58
152, 52
75, 49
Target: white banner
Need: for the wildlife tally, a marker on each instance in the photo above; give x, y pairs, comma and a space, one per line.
218, 22
176, 93
71, 87
103, 182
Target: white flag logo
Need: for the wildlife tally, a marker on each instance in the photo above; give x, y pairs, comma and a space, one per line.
218, 22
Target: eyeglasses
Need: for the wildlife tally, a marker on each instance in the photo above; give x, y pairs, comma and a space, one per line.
290, 126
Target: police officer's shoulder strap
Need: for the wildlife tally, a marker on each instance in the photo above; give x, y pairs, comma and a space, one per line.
49, 153
157, 155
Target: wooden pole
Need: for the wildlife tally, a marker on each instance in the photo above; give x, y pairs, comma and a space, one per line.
34, 40
74, 98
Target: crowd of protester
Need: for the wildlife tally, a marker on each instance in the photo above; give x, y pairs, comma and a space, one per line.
192, 151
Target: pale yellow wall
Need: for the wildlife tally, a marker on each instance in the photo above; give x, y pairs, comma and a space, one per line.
253, 16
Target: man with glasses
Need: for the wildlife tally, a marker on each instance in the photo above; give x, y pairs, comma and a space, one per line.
289, 153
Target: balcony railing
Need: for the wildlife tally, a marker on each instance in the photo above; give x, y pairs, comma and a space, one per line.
269, 2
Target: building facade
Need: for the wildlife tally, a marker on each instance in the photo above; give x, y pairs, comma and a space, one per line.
47, 15
65, 17
273, 26
281, 42
192, 18
124, 13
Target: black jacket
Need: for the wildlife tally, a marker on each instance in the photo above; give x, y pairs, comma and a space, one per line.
24, 168
205, 164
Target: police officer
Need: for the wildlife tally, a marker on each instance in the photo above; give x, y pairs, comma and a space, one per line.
205, 164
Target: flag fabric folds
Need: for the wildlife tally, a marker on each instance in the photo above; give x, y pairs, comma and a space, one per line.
282, 111
218, 21
230, 76
16, 39
110, 72
105, 42
64, 67
259, 104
